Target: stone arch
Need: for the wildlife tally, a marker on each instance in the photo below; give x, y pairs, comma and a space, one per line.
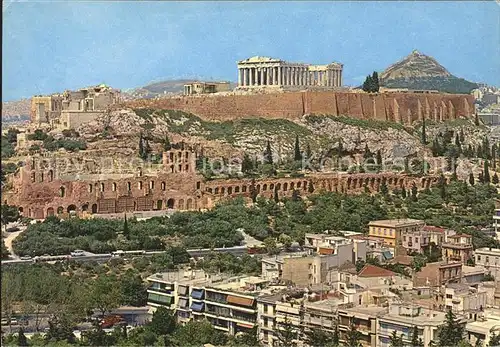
292, 185
41, 177
367, 181
139, 185
278, 186
163, 186
94, 208
90, 188
85, 207
349, 183
372, 182
159, 204
304, 185
216, 190
243, 189
129, 186
285, 186
189, 204
152, 185
237, 189
223, 190
113, 186
51, 175
102, 187
264, 187
389, 181
170, 203
20, 209
180, 204
62, 192
229, 190
60, 210
258, 188
135, 205
50, 211
271, 186
209, 190
299, 184
71, 208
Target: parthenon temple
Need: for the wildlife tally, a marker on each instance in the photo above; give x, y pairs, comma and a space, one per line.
271, 72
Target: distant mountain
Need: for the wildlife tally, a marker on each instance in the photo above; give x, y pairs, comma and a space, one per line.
14, 111
156, 89
420, 71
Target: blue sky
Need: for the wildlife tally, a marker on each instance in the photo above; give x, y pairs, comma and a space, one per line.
53, 46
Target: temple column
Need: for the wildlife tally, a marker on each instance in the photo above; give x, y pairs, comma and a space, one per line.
340, 78
292, 77
280, 82
275, 74
269, 79
250, 76
244, 77
288, 75
239, 77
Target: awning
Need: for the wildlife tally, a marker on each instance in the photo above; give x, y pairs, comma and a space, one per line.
249, 326
238, 300
387, 255
197, 307
325, 251
197, 294
161, 299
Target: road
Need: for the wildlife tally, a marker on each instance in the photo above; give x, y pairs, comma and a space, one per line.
11, 237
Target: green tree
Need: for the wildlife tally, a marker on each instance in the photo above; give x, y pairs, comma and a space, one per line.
451, 332
379, 159
22, 341
384, 190
414, 191
486, 171
494, 340
286, 334
321, 338
368, 84
198, 333
9, 213
126, 230
275, 196
403, 193
105, 294
163, 323
395, 340
167, 146
494, 180
424, 134
375, 82
271, 247
141, 146
248, 339
268, 154
297, 154
246, 164
471, 179
415, 340
494, 150
5, 251
133, 289
367, 153
353, 337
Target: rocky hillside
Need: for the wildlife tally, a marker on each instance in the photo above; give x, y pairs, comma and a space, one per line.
321, 133
14, 111
420, 71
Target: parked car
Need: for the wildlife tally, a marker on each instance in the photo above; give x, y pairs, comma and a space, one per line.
111, 321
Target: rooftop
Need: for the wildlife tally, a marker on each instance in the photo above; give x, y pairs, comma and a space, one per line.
396, 222
374, 271
490, 250
432, 228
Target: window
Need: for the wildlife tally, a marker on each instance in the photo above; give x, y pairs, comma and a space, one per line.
198, 185
449, 296
113, 187
152, 185
129, 186
404, 238
265, 308
416, 240
102, 187
478, 258
139, 185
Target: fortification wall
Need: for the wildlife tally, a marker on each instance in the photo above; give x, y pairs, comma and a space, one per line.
399, 107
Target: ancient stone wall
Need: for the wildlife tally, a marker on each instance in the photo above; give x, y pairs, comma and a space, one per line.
40, 192
399, 107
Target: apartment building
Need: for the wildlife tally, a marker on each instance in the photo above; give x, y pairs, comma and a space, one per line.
364, 318
403, 317
458, 248
438, 235
229, 304
390, 230
463, 299
487, 324
490, 259
415, 241
438, 273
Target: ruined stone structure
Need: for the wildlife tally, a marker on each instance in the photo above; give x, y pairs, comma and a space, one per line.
72, 108
41, 189
270, 72
205, 88
404, 108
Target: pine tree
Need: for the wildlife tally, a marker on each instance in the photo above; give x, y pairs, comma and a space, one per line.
403, 193
442, 187
379, 159
471, 179
494, 155
395, 340
310, 187
167, 146
126, 231
147, 149
414, 191
462, 135
276, 197
494, 180
22, 341
424, 134
141, 146
367, 154
246, 164
458, 144
308, 151
436, 150
298, 154
486, 171
451, 333
480, 177
415, 340
253, 191
494, 340
268, 154
476, 119
368, 84
375, 82
383, 187
352, 337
